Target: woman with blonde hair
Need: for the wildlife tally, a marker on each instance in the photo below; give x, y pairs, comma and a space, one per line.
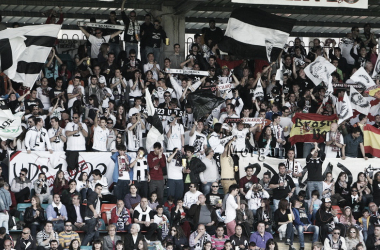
109, 241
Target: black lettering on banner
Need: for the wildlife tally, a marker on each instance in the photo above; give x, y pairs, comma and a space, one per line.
232, 120
6, 124
270, 169
168, 112
104, 168
32, 168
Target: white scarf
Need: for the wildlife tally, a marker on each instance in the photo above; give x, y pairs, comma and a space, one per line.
59, 206
133, 27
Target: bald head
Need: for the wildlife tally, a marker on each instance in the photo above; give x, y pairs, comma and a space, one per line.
333, 127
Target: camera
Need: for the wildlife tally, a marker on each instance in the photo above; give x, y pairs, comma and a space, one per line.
171, 119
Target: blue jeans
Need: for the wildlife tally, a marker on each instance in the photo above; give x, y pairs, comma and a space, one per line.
175, 188
83, 193
122, 189
115, 48
276, 202
311, 228
91, 233
156, 52
59, 225
129, 46
206, 188
307, 147
314, 185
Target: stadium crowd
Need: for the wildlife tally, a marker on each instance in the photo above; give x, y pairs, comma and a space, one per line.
186, 195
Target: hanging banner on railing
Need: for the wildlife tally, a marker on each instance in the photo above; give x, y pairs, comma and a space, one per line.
360, 4
43, 161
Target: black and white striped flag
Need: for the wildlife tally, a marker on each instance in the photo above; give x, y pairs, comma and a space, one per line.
255, 34
23, 51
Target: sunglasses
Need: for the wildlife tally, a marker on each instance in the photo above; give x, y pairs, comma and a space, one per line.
76, 117
167, 95
214, 186
132, 56
98, 33
118, 137
336, 233
353, 232
22, 174
25, 233
173, 230
354, 191
109, 122
132, 16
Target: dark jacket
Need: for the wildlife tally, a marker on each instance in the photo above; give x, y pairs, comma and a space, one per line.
72, 214
92, 199
237, 241
128, 241
176, 217
67, 197
195, 210
370, 243
29, 218
260, 217
21, 244
177, 242
196, 166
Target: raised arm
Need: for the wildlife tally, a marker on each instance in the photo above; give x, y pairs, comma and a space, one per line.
84, 31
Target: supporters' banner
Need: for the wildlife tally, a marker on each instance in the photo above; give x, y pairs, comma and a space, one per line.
255, 34
101, 25
10, 124
344, 109
43, 161
309, 127
225, 86
187, 72
259, 91
319, 70
351, 166
203, 102
359, 4
358, 102
361, 77
168, 112
371, 140
347, 86
23, 51
246, 120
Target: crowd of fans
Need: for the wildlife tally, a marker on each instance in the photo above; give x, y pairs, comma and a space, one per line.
99, 106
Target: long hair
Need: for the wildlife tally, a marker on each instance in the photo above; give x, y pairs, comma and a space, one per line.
271, 241
82, 51
267, 205
283, 205
357, 236
38, 204
180, 233
71, 244
145, 245
97, 242
96, 101
57, 182
350, 217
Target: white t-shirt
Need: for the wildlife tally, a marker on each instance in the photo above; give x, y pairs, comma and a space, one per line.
239, 144
134, 137
107, 99
329, 150
231, 207
43, 95
57, 144
72, 90
96, 43
100, 138
174, 141
142, 166
137, 92
174, 172
190, 198
57, 112
198, 141
76, 142
149, 66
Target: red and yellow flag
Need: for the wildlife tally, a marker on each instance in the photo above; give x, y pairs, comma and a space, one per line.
371, 140
310, 127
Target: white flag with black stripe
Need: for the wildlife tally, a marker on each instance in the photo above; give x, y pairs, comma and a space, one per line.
255, 34
24, 50
319, 70
362, 78
358, 102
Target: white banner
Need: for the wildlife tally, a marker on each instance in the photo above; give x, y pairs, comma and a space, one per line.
38, 162
187, 72
10, 124
359, 4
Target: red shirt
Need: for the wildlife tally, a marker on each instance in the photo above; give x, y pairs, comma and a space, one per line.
155, 166
244, 181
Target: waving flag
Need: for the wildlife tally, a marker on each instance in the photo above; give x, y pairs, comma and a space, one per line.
259, 91
23, 51
319, 70
203, 102
362, 78
344, 109
10, 124
371, 140
156, 132
358, 102
255, 34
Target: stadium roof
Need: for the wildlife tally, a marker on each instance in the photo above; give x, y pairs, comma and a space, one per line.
311, 21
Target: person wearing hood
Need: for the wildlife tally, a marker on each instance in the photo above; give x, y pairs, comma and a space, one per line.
244, 217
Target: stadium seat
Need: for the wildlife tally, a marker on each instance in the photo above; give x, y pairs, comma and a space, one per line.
85, 247
21, 207
103, 226
104, 209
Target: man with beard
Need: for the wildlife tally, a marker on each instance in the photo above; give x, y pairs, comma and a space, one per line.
248, 180
327, 220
